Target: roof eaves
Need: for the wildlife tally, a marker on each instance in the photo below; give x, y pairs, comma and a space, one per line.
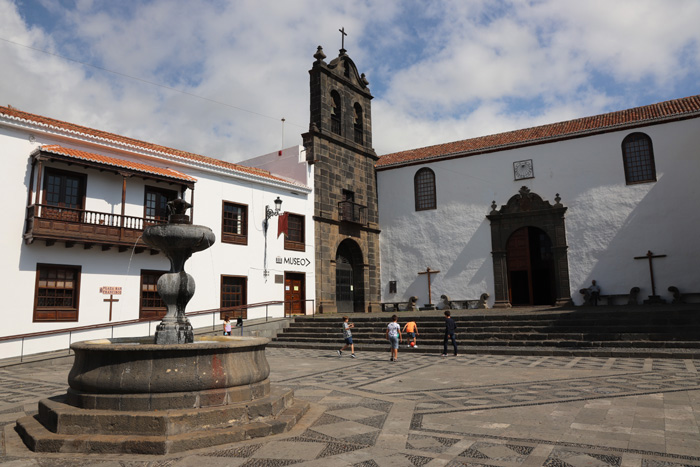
224, 168
542, 140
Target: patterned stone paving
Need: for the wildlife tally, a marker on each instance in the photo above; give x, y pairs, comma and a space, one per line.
424, 410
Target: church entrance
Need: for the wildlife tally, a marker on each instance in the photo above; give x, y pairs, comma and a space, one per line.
349, 278
530, 267
529, 251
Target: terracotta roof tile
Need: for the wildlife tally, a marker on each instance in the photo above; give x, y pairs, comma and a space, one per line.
113, 161
58, 124
678, 108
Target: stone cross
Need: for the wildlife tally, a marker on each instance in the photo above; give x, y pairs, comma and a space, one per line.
649, 256
342, 37
429, 271
111, 300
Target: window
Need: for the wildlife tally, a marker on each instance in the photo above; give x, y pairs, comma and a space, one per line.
152, 305
234, 223
424, 184
638, 157
357, 123
234, 293
64, 195
156, 203
335, 112
57, 292
294, 240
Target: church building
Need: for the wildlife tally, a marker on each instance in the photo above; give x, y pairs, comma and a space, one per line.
533, 216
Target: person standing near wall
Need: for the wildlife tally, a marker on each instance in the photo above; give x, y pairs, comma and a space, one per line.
227, 326
450, 331
411, 328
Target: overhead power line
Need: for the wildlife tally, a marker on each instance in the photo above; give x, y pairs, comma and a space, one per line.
124, 75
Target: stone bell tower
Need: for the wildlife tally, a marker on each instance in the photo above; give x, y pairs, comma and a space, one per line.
339, 145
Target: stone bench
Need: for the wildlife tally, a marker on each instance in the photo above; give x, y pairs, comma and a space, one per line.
680, 297
479, 304
401, 306
631, 298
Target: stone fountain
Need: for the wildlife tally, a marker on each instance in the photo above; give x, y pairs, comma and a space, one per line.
168, 393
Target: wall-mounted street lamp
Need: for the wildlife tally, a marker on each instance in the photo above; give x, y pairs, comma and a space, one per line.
270, 213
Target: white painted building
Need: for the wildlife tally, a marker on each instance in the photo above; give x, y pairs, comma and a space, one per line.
79, 199
614, 186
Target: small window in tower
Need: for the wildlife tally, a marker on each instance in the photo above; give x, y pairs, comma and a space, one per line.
335, 112
357, 120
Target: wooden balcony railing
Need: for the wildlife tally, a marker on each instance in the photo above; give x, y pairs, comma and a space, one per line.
53, 223
352, 212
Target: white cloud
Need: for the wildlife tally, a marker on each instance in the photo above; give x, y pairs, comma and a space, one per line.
440, 71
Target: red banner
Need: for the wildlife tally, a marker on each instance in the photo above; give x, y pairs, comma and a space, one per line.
283, 224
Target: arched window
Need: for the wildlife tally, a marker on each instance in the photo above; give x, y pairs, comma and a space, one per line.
335, 112
424, 183
638, 157
357, 123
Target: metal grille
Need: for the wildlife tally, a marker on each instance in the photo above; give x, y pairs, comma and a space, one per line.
639, 158
425, 190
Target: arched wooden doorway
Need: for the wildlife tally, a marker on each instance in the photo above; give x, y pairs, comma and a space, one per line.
530, 267
533, 233
349, 278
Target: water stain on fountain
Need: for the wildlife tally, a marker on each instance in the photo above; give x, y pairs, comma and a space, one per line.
168, 393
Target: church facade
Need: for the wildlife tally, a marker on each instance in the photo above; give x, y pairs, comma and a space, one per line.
533, 216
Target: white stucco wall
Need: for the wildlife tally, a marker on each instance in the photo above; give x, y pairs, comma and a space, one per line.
608, 223
112, 268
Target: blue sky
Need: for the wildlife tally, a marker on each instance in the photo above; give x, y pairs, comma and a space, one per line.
439, 70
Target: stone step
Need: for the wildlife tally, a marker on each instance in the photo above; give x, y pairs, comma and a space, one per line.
39, 439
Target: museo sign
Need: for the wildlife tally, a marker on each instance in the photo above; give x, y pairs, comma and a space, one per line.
292, 261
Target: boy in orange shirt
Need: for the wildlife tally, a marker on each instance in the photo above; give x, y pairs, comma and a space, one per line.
412, 329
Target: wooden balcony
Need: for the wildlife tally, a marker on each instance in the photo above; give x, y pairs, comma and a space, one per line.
352, 212
89, 228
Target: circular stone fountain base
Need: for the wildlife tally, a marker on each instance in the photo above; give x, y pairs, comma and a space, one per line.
132, 396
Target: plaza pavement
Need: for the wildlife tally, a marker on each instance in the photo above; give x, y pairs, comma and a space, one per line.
426, 410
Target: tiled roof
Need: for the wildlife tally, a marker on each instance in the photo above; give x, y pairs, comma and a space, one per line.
113, 161
11, 112
656, 113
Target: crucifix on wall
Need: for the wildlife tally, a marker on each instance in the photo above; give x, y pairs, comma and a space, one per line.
429, 272
653, 298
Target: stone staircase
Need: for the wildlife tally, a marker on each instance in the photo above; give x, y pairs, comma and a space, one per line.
605, 331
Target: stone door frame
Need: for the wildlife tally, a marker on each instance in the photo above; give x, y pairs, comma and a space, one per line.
527, 209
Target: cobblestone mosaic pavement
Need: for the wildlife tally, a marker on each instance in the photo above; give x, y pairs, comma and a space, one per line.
426, 410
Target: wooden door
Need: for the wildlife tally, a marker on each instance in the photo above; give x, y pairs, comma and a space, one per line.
294, 294
519, 268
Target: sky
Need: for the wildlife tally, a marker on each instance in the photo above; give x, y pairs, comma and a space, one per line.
216, 77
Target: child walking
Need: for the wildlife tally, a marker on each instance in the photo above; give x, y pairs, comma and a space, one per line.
411, 329
227, 326
347, 335
393, 333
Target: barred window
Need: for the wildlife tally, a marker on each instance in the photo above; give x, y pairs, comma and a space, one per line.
57, 292
234, 293
234, 223
294, 240
424, 185
152, 305
638, 157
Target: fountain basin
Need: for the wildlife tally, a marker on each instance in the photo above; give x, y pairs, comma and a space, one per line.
136, 374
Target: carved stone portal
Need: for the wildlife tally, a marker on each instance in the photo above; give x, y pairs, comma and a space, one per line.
527, 209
